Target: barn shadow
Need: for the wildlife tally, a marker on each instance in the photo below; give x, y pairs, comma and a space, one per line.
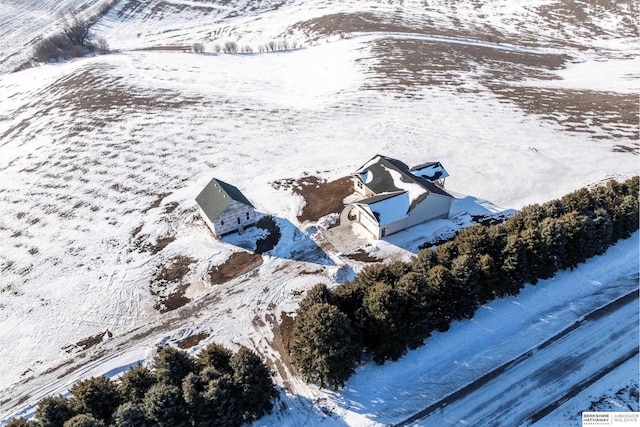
279, 238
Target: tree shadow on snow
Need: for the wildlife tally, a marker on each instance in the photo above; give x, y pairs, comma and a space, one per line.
279, 238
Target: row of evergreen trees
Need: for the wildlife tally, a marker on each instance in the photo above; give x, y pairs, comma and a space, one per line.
216, 388
389, 308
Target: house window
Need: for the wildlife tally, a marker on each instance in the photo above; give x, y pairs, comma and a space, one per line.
238, 220
222, 222
247, 216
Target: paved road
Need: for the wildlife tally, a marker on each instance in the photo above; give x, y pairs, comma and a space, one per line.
528, 388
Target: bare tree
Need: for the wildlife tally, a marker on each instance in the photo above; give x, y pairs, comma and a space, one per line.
75, 28
102, 46
230, 47
197, 48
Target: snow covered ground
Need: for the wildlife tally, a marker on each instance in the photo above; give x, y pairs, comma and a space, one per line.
102, 157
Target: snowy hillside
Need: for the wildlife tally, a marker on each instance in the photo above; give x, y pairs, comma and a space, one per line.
101, 159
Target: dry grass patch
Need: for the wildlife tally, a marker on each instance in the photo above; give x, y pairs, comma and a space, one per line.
193, 340
322, 197
238, 264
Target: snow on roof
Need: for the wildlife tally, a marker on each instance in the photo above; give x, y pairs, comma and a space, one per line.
384, 174
430, 171
414, 190
387, 208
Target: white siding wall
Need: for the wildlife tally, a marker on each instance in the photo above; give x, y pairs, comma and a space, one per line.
434, 206
228, 222
364, 218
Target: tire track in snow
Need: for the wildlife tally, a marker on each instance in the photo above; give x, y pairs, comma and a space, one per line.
480, 382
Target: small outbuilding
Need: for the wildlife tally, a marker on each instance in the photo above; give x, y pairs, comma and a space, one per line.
398, 197
224, 208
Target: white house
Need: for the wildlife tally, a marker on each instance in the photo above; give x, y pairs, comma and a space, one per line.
224, 208
398, 197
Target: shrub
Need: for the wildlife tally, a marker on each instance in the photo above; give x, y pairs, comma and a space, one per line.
165, 406
53, 411
84, 420
172, 365
323, 346
230, 47
197, 48
135, 383
97, 396
130, 414
252, 379
22, 422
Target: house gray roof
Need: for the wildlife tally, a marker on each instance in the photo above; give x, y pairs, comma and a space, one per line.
216, 196
376, 175
431, 171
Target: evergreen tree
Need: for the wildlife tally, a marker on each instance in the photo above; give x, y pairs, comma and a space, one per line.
386, 322
603, 231
414, 293
553, 233
474, 240
317, 295
424, 261
441, 305
580, 201
529, 217
447, 252
130, 414
135, 383
22, 422
165, 406
252, 379
172, 365
625, 218
220, 404
348, 298
488, 279
323, 346
513, 269
215, 356
84, 420
53, 411
538, 266
465, 286
580, 245
97, 397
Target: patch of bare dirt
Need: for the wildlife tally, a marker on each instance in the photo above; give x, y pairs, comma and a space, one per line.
193, 340
174, 300
88, 342
271, 239
322, 197
176, 270
238, 264
171, 297
282, 333
362, 256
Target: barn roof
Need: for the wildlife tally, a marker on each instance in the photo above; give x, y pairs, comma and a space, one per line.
216, 196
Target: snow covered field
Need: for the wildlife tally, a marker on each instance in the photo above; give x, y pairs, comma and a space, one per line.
102, 157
